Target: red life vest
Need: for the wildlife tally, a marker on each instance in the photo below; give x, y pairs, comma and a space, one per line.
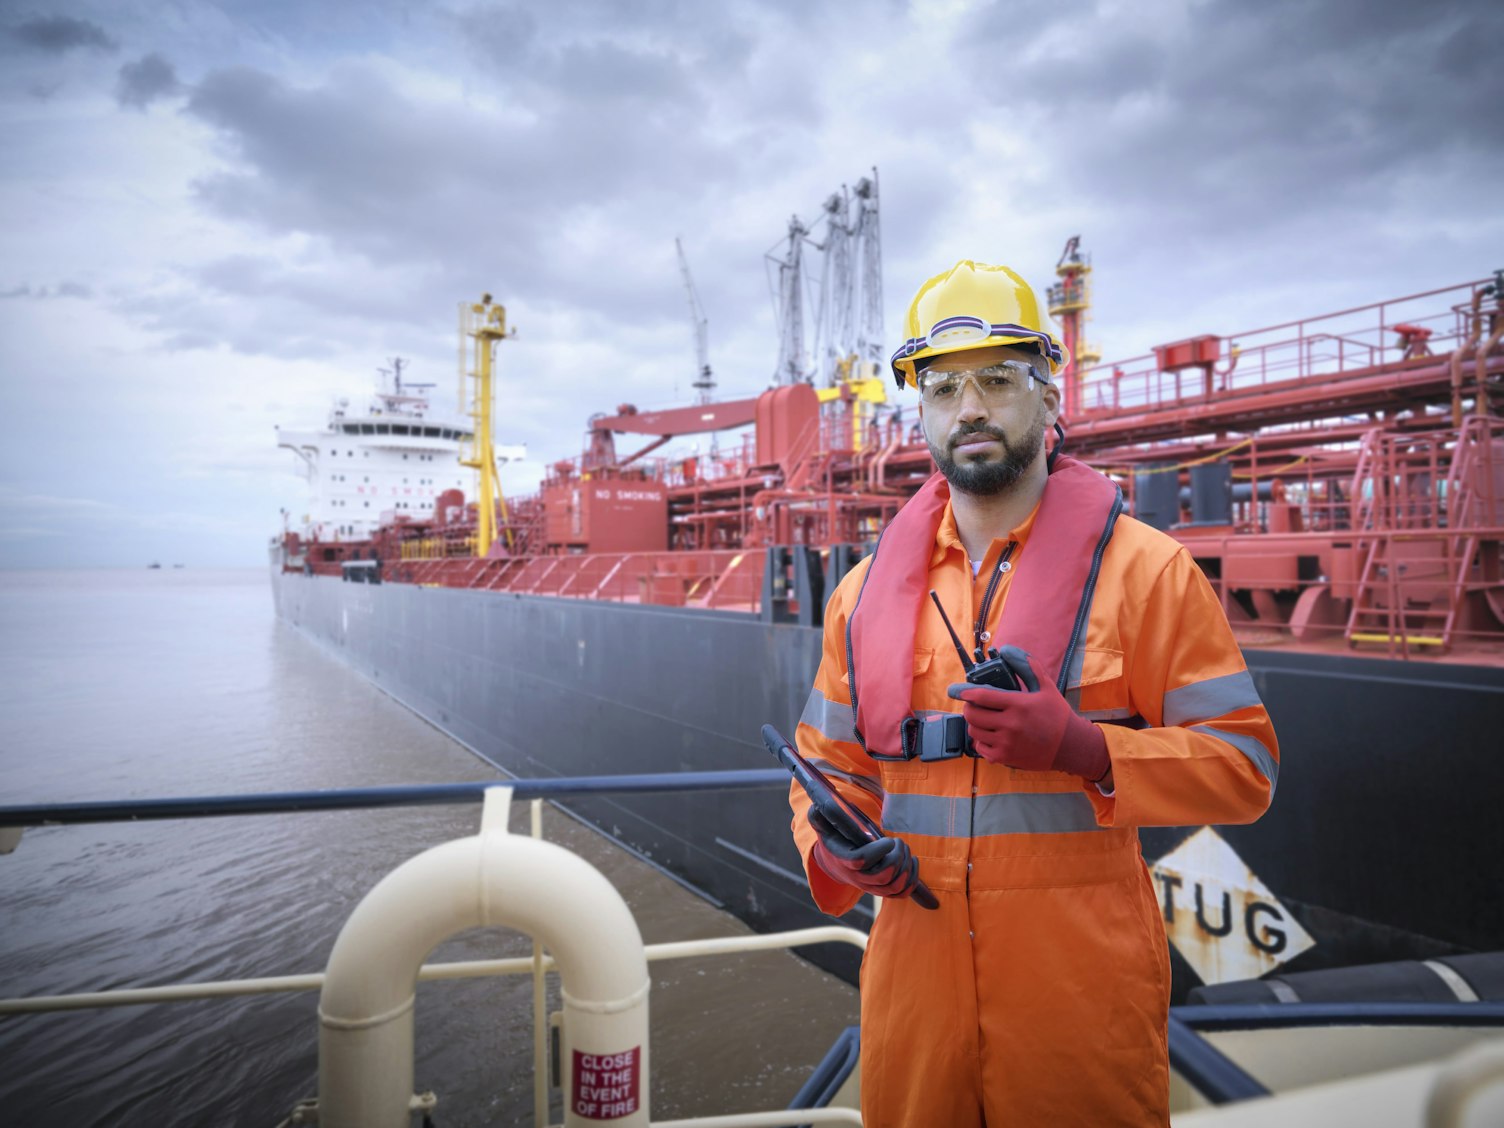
1045, 614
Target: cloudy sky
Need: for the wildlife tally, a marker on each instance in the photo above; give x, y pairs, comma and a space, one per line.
217, 217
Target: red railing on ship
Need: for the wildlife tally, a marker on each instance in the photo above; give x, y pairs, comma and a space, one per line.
1308, 351
722, 580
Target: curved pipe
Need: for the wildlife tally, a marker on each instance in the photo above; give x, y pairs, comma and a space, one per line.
877, 481
1460, 1084
1480, 370
495, 879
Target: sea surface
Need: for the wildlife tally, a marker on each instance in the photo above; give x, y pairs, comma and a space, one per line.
175, 682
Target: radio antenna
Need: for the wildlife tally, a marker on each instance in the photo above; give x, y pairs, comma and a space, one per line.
966, 662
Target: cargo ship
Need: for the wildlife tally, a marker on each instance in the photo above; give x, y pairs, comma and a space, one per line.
1339, 478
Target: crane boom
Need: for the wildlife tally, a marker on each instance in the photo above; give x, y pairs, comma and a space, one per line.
704, 381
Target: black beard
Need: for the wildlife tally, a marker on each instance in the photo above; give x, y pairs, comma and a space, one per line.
987, 479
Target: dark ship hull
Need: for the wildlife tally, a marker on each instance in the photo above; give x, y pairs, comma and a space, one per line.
1378, 843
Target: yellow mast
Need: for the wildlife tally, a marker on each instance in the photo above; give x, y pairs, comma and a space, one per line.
485, 324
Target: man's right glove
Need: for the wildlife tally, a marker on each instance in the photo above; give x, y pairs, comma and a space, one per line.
885, 868
1031, 727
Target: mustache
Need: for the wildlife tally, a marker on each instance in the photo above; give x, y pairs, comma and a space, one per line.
964, 432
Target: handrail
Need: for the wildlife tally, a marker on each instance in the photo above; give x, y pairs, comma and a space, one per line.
1208, 1070
439, 794
460, 969
496, 796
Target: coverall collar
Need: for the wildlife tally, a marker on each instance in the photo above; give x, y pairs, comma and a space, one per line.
947, 538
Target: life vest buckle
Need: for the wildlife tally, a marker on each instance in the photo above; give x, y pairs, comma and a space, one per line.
933, 737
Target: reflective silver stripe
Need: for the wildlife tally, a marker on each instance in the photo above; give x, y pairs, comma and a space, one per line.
1460, 986
867, 783
951, 816
1073, 679
1207, 700
1282, 991
831, 719
1251, 747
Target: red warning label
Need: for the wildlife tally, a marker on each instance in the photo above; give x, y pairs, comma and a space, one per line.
607, 1086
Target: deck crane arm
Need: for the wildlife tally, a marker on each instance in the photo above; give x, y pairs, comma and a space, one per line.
704, 381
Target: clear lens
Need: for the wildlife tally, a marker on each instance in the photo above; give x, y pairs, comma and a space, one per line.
997, 383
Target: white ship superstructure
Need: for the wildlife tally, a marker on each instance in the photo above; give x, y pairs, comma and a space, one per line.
393, 459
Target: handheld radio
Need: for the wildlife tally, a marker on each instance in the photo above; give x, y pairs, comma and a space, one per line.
991, 669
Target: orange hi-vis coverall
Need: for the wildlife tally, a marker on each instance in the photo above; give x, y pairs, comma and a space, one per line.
1037, 994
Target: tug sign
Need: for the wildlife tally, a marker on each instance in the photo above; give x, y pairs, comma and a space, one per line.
1219, 915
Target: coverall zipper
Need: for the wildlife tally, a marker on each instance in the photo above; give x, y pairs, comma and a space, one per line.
979, 651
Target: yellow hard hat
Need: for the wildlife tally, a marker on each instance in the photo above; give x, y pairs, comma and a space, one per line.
974, 306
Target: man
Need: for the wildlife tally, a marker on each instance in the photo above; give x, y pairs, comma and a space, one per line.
1037, 993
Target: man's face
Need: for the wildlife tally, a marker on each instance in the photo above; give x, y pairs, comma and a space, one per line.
984, 444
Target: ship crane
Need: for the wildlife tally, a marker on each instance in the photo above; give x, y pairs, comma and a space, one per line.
704, 382
668, 424
849, 318
848, 341
848, 314
788, 307
482, 324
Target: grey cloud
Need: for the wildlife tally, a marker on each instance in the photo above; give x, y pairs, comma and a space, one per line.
1260, 111
565, 187
600, 49
188, 342
141, 83
57, 34
405, 184
42, 293
609, 71
501, 35
189, 321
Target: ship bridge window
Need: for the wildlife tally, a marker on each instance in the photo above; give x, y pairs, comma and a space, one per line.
399, 428
383, 429
367, 429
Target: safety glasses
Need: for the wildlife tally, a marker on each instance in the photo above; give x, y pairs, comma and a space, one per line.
997, 384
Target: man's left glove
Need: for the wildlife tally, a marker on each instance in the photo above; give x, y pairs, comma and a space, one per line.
884, 868
1031, 727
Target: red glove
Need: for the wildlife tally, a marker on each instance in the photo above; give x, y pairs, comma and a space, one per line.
1031, 727
886, 868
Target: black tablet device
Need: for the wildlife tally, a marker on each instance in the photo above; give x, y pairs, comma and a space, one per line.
849, 822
